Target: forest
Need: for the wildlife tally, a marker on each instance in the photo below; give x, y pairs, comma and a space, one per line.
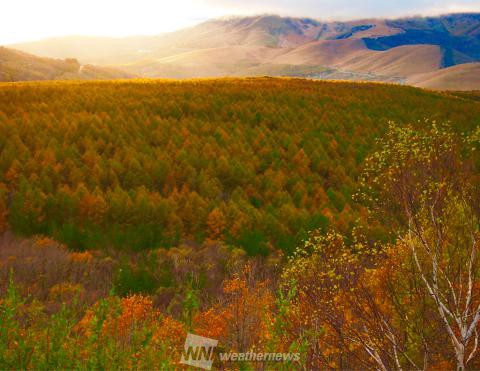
337, 220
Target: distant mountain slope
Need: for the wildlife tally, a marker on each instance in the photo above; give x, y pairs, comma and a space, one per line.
371, 49
266, 31
457, 35
400, 61
20, 66
349, 56
353, 55
461, 77
323, 52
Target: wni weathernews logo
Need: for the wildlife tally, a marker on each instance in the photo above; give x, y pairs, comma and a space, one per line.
200, 352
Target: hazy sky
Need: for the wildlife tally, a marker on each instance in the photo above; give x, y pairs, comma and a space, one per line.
23, 20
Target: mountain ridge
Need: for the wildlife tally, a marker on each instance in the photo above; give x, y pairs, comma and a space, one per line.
384, 49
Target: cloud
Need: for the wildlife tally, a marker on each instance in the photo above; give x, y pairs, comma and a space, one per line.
344, 9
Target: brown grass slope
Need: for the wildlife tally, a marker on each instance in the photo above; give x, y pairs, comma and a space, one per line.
461, 77
400, 61
323, 52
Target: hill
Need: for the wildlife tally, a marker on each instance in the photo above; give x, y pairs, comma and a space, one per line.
371, 49
141, 164
20, 66
461, 77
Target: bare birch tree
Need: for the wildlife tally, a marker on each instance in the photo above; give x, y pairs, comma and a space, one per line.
429, 182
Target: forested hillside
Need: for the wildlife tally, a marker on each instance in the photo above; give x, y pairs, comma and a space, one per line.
20, 66
256, 163
341, 301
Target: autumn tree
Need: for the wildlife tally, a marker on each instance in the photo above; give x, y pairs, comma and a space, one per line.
410, 304
338, 307
429, 182
241, 318
3, 207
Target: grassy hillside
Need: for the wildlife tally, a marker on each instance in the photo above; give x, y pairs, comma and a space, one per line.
144, 164
462, 77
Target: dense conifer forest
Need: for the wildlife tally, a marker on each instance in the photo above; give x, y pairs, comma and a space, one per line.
256, 163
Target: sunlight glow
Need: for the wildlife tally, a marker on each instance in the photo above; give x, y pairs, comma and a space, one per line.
33, 19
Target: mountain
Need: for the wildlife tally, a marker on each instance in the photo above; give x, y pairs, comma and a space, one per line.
20, 66
458, 36
371, 49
